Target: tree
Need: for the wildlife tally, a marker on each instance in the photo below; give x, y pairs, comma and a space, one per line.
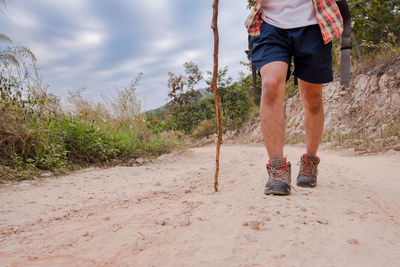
376, 23
185, 104
235, 100
193, 74
186, 113
179, 83
250, 3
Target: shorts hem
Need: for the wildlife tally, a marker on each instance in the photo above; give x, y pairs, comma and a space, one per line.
262, 63
314, 81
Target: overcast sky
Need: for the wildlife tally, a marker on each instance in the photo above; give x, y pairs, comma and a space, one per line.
102, 45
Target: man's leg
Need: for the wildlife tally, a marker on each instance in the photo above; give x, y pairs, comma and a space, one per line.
273, 76
311, 96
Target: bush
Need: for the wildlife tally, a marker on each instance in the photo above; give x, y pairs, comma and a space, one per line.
36, 135
235, 106
205, 128
154, 123
186, 112
83, 143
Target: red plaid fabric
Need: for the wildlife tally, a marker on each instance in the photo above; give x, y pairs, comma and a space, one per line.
328, 16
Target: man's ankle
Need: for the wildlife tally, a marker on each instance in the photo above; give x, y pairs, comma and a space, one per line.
311, 154
276, 156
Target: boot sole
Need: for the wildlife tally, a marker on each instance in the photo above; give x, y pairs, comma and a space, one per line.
275, 192
306, 185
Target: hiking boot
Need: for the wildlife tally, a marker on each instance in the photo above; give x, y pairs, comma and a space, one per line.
308, 171
279, 177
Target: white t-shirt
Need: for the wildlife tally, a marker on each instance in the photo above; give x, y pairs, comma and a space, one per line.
288, 14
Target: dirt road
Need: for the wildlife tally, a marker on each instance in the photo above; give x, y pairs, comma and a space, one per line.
166, 214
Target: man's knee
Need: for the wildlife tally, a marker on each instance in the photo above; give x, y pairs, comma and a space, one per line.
314, 104
271, 91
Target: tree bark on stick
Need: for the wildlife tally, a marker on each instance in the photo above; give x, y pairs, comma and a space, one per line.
214, 88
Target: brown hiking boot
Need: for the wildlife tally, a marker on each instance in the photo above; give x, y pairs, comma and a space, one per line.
308, 171
279, 177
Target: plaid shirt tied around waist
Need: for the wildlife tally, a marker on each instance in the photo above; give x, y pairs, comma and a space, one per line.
328, 16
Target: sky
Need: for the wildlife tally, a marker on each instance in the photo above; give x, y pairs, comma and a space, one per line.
102, 45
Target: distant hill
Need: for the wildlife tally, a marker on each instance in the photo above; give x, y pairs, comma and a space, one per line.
203, 92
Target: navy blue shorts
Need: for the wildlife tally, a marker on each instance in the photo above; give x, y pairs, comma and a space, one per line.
312, 58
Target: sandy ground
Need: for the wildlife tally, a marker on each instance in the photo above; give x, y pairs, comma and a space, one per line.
166, 214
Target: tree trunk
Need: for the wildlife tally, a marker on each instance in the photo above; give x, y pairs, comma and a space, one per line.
214, 88
357, 45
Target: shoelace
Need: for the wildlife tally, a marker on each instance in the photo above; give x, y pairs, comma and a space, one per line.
308, 167
278, 174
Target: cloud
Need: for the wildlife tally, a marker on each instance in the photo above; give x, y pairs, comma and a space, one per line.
23, 19
129, 66
103, 45
45, 55
189, 55
82, 40
155, 5
164, 43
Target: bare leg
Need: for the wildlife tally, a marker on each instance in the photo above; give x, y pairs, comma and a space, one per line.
273, 76
311, 96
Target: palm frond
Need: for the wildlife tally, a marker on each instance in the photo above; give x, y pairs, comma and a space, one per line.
5, 6
26, 52
9, 58
4, 37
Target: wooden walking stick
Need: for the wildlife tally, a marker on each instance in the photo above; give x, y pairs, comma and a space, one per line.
214, 88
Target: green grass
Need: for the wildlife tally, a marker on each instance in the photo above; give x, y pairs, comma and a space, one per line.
33, 141
60, 146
